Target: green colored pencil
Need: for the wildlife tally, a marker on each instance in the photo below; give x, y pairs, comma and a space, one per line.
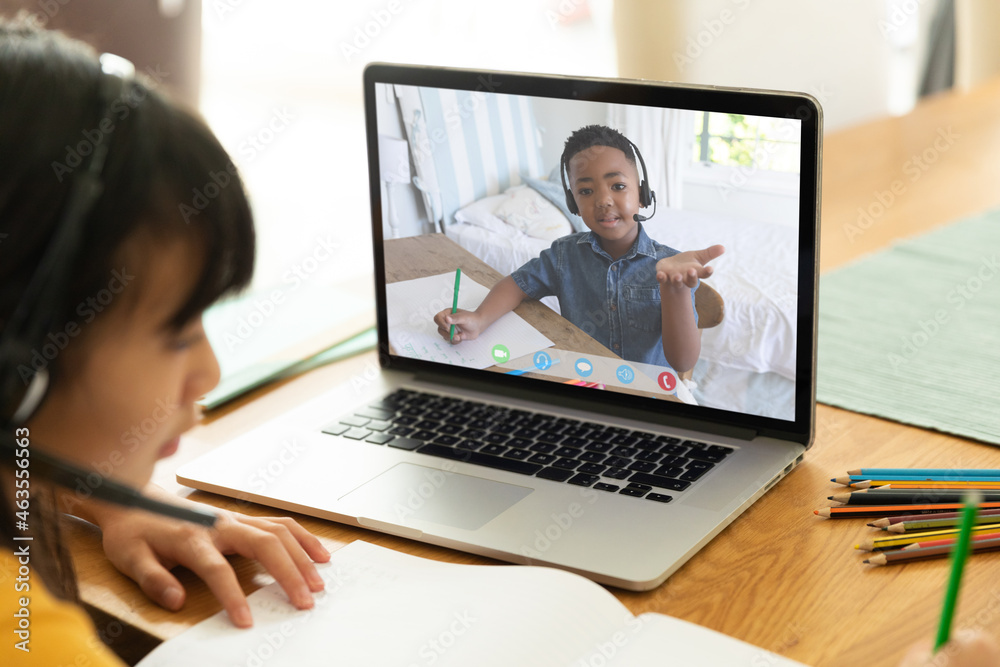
454, 303
959, 556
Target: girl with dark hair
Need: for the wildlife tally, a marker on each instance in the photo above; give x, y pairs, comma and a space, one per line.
106, 264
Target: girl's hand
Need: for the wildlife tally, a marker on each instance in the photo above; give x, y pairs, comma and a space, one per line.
145, 547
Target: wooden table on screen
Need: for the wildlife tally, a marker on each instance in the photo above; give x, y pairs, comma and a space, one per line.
778, 577
433, 254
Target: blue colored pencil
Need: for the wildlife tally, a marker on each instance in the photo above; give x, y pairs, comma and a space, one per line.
911, 478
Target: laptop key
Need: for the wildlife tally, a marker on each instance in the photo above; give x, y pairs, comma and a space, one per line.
566, 463
494, 450
401, 430
544, 459
648, 456
582, 479
591, 468
354, 420
406, 443
336, 429
627, 452
659, 497
669, 471
642, 466
572, 441
378, 425
446, 440
357, 433
478, 458
699, 465
604, 486
373, 412
449, 429
379, 438
617, 462
542, 447
554, 474
519, 454
567, 451
591, 457
703, 455
405, 420
618, 473
635, 493
659, 481
692, 475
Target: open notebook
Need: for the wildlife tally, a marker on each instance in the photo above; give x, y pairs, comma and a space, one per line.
382, 607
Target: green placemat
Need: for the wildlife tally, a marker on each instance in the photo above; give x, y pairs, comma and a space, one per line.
913, 333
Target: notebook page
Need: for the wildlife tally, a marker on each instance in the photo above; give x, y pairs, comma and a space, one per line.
655, 639
382, 607
412, 304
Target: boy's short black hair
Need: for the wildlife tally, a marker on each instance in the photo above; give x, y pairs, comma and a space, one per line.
596, 135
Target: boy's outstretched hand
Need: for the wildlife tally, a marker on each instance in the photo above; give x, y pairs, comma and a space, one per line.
468, 325
687, 267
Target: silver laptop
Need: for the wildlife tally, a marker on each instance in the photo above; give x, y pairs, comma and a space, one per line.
556, 437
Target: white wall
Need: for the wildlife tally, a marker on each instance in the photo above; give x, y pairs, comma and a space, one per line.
860, 58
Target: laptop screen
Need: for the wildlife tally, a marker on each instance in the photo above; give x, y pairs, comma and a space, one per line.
647, 241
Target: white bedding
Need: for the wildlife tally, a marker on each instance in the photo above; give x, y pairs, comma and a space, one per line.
757, 276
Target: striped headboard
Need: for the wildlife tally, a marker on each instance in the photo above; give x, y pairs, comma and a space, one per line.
467, 145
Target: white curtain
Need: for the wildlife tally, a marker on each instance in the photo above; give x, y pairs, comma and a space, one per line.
664, 138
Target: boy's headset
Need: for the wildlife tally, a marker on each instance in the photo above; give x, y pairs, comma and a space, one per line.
646, 196
36, 312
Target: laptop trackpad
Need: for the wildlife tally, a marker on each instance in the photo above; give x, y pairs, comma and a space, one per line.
408, 492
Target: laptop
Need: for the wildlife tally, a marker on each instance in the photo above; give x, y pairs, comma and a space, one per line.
537, 442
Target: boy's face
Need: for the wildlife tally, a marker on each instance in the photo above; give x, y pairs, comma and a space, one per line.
606, 188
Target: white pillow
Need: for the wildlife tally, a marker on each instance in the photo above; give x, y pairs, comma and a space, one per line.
526, 209
480, 214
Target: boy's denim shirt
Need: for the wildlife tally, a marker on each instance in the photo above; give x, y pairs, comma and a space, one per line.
616, 302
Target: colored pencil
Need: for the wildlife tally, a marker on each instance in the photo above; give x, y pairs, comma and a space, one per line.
903, 555
905, 497
949, 472
938, 523
859, 486
454, 302
896, 541
888, 521
861, 511
887, 479
960, 555
946, 541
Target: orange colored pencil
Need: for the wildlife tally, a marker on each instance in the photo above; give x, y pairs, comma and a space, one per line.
860, 511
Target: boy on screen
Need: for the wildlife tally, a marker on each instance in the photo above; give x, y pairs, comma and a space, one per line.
633, 295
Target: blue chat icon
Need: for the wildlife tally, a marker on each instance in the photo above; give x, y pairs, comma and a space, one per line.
583, 367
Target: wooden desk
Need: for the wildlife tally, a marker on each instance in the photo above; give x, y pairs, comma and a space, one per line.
778, 577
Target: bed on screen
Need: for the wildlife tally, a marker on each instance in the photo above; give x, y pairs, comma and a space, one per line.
483, 183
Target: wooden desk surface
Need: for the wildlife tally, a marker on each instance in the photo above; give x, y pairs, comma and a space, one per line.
778, 577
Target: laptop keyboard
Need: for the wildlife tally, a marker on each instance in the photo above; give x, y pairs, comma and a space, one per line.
607, 458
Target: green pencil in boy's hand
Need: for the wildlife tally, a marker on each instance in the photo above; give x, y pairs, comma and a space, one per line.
958, 558
454, 303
